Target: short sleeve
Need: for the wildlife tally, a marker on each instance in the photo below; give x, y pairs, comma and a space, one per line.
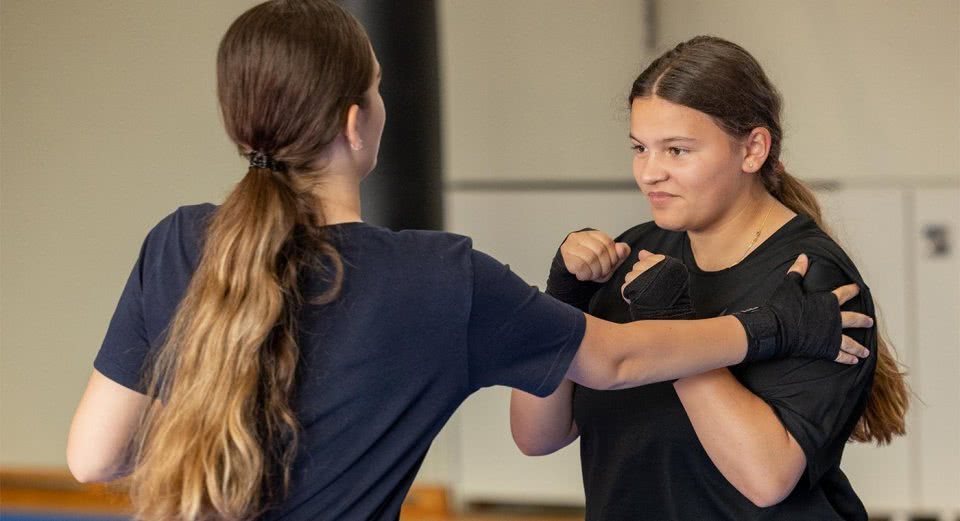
126, 343
517, 336
818, 401
156, 285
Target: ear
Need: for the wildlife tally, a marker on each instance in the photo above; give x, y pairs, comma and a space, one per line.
756, 148
352, 128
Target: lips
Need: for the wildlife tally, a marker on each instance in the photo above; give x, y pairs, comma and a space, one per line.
659, 197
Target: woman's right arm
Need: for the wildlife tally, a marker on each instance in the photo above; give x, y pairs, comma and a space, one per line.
585, 259
617, 356
98, 446
791, 323
542, 426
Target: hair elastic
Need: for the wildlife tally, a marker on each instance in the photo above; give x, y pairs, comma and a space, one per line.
259, 159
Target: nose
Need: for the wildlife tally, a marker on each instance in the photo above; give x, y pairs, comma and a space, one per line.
647, 170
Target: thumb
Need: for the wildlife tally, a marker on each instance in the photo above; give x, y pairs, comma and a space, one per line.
800, 265
623, 250
643, 254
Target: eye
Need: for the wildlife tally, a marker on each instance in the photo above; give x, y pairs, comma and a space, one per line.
677, 151
638, 148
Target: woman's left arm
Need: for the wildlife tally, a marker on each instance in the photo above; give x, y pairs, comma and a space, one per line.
750, 444
743, 437
99, 443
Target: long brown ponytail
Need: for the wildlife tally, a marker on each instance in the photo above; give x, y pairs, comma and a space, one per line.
723, 80
219, 441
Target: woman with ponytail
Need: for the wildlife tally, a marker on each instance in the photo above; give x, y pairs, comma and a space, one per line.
274, 357
758, 441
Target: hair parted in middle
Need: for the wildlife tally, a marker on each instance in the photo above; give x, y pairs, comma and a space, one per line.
722, 80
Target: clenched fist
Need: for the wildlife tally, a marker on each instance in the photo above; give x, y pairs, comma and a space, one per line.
591, 255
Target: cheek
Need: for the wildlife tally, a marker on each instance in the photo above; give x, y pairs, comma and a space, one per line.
637, 167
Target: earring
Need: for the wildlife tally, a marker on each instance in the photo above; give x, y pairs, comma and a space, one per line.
357, 146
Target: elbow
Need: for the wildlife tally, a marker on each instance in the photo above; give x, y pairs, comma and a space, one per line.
88, 469
530, 445
768, 492
534, 441
85, 472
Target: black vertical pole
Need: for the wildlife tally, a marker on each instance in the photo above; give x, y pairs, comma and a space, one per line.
405, 191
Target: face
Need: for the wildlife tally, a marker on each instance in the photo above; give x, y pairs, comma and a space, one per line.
372, 119
685, 164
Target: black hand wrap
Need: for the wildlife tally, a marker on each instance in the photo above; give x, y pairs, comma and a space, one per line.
564, 286
793, 323
661, 293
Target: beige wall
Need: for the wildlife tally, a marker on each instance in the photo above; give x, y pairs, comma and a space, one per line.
109, 121
871, 88
535, 89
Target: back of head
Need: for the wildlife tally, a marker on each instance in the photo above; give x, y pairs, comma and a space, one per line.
222, 443
287, 71
721, 79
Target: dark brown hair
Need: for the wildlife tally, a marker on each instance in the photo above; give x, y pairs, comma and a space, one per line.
221, 444
721, 79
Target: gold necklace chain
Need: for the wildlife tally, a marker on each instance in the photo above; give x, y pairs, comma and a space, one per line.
756, 236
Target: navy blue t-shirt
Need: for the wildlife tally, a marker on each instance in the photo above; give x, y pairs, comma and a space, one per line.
422, 321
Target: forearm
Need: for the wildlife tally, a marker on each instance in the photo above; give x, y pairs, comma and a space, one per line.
617, 356
543, 425
742, 436
99, 442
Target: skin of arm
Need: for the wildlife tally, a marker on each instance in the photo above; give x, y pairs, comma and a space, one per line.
742, 436
98, 446
542, 426
618, 356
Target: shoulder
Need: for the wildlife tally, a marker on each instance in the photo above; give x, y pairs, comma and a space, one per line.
425, 253
177, 239
186, 222
830, 265
422, 243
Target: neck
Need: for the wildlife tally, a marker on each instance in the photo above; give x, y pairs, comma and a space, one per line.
340, 199
731, 238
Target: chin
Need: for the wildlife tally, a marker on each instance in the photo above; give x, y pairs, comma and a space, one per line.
668, 222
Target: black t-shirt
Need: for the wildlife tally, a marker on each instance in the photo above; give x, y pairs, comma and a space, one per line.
641, 457
422, 321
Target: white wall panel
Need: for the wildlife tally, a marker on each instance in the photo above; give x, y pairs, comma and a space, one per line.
871, 225
936, 367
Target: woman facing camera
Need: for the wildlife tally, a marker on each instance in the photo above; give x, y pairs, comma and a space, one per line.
760, 440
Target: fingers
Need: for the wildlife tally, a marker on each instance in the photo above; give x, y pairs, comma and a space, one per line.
800, 265
845, 293
647, 261
851, 348
581, 263
844, 358
592, 255
602, 261
853, 319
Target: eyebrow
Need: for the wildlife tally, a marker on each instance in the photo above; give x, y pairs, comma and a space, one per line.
672, 139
